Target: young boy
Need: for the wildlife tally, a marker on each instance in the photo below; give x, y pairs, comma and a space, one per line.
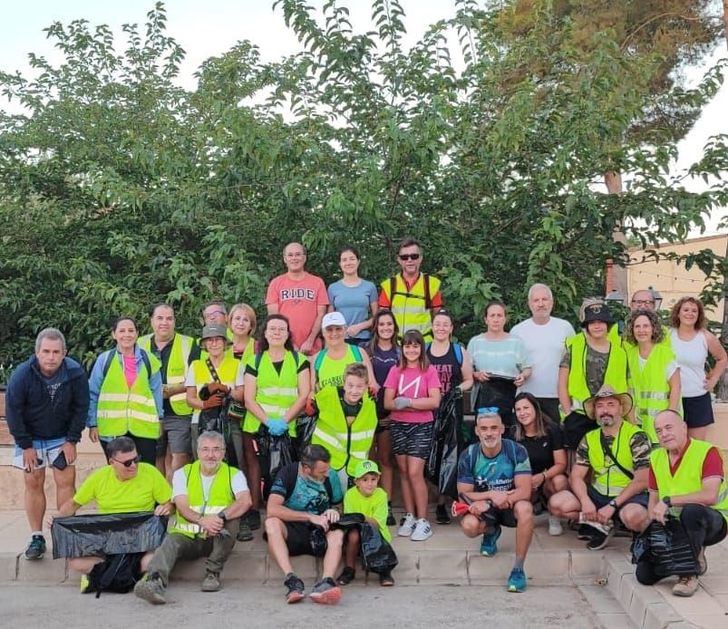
371, 501
346, 422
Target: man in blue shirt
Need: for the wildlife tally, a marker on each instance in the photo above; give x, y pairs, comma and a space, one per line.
494, 478
300, 514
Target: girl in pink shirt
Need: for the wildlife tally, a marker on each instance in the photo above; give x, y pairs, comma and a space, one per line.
412, 393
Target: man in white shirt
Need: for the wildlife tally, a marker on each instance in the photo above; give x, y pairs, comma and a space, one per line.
543, 336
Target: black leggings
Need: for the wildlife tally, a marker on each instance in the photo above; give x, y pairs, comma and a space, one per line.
704, 526
146, 448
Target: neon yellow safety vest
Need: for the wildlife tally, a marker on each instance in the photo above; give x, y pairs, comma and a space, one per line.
347, 444
615, 374
275, 392
221, 496
688, 476
227, 372
410, 307
330, 372
175, 369
607, 478
650, 388
248, 353
124, 410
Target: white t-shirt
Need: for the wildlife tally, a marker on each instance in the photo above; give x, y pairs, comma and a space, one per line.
238, 483
691, 356
544, 344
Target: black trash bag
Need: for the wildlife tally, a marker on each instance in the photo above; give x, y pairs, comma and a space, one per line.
117, 573
349, 521
377, 555
107, 534
273, 453
305, 427
218, 419
668, 548
442, 464
499, 392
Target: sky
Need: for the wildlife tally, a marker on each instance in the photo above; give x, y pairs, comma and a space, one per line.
212, 27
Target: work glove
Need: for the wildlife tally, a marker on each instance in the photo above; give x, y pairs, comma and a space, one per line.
311, 409
214, 401
400, 403
277, 427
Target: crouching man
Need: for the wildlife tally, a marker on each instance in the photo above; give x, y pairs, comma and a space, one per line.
210, 496
686, 481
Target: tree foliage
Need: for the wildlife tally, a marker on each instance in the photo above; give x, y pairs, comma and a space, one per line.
119, 189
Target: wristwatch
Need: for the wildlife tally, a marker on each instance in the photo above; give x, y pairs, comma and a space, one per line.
613, 503
222, 516
667, 500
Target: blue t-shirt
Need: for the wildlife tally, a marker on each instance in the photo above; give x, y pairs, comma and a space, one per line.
305, 494
496, 474
353, 302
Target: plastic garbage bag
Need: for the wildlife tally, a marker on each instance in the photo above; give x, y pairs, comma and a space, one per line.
305, 426
377, 555
273, 453
107, 534
442, 464
667, 547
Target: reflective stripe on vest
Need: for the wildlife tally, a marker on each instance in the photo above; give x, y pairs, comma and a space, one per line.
688, 475
175, 369
124, 410
607, 478
408, 306
276, 392
615, 374
347, 444
651, 390
220, 496
227, 372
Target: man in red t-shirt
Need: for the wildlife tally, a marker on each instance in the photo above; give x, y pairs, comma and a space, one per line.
301, 297
686, 481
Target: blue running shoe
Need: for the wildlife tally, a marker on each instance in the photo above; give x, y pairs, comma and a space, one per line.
489, 547
517, 580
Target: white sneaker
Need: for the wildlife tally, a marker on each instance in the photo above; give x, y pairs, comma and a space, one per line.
408, 525
422, 531
555, 527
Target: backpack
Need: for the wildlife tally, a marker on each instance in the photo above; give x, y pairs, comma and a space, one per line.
117, 573
457, 349
356, 350
428, 296
112, 355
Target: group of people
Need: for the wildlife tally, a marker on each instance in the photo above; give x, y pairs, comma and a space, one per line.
582, 425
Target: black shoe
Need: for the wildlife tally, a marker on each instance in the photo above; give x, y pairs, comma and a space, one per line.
584, 532
386, 579
294, 588
253, 519
441, 515
390, 517
599, 539
347, 576
36, 548
326, 592
244, 532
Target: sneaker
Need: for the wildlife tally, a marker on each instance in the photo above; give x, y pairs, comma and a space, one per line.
407, 526
252, 517
326, 592
245, 533
600, 536
685, 586
584, 532
211, 582
85, 583
441, 515
555, 527
422, 531
347, 576
517, 580
36, 548
386, 579
390, 517
489, 546
295, 588
151, 590
702, 562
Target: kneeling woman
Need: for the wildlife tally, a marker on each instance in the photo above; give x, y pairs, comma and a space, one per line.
346, 422
544, 443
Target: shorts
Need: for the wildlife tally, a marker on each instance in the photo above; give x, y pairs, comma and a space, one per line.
499, 517
176, 433
575, 426
303, 538
600, 500
698, 411
46, 451
412, 439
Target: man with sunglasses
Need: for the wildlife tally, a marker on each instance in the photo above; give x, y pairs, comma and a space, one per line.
413, 297
210, 496
125, 485
300, 296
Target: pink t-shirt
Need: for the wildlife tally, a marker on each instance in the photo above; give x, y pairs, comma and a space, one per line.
414, 384
130, 370
299, 301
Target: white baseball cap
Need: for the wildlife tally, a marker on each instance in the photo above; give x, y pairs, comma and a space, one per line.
333, 318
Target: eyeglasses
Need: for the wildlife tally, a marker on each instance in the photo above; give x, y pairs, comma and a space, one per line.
409, 256
128, 463
215, 312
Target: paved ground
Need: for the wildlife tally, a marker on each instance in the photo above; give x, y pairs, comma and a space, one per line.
435, 606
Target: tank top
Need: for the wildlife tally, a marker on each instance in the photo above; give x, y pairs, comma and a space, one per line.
382, 362
449, 371
691, 356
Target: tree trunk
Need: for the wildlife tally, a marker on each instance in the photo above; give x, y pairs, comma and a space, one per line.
613, 182
721, 389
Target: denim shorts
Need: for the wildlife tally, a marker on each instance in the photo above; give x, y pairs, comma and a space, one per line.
46, 451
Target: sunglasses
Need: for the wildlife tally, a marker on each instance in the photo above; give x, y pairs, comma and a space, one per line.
128, 463
409, 256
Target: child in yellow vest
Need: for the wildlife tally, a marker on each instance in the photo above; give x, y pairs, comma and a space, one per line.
367, 498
